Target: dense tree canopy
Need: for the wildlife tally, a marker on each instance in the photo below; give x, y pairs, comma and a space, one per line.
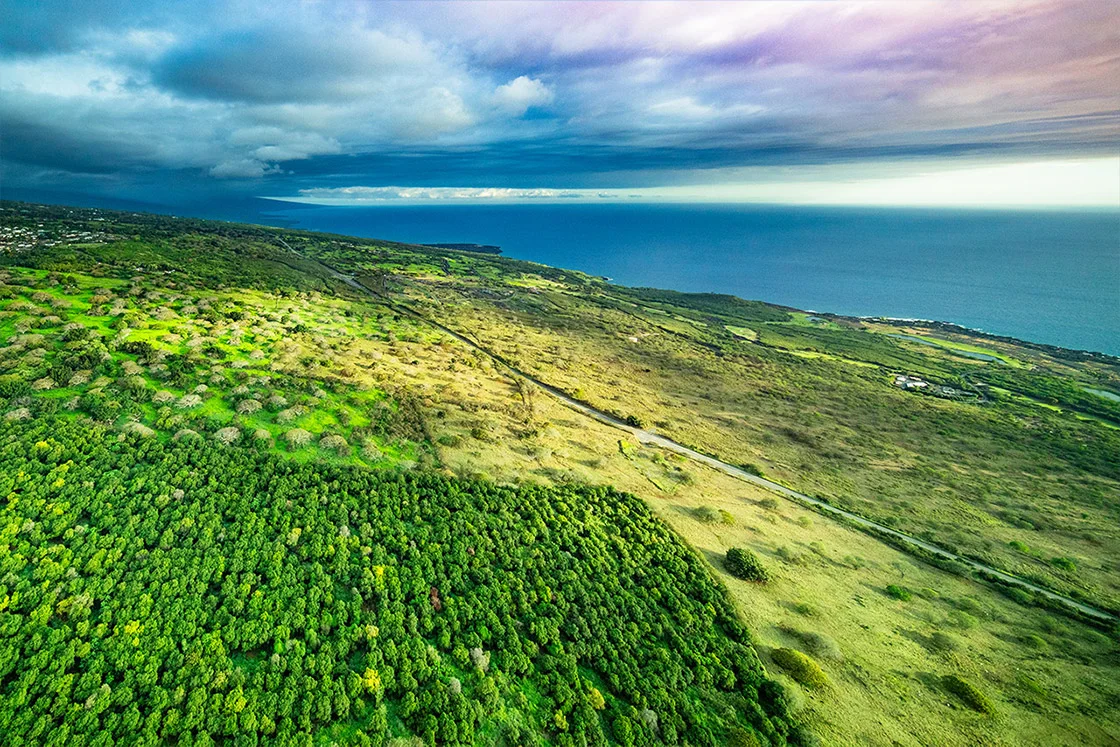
195, 592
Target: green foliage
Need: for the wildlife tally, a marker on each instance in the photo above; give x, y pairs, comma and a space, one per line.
190, 591
1069, 565
968, 693
715, 304
894, 591
742, 738
743, 563
800, 667
709, 515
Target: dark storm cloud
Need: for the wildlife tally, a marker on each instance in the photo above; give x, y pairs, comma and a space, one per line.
289, 96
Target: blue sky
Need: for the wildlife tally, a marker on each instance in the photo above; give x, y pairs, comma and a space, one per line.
882, 102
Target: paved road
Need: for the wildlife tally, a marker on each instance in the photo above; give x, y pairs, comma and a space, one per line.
654, 439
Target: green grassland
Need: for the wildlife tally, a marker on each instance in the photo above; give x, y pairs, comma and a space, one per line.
1022, 474
814, 405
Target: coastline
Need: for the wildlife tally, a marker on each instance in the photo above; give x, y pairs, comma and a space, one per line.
291, 223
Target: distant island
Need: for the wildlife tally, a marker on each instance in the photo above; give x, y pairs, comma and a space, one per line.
479, 248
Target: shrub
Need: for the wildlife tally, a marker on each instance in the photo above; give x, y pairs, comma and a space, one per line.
1063, 564
139, 429
334, 443
297, 437
706, 514
248, 406
800, 667
899, 592
13, 386
228, 435
287, 416
188, 401
968, 693
743, 563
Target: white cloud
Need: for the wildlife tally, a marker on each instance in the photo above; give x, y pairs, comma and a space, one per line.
644, 93
375, 195
242, 168
1061, 183
521, 93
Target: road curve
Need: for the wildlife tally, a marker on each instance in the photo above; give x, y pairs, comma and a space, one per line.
654, 439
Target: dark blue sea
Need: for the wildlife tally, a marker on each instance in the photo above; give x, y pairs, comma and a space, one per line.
1046, 276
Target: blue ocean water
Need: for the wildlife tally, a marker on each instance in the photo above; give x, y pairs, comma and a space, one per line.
1046, 276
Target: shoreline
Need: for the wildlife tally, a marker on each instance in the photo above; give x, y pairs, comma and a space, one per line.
1059, 351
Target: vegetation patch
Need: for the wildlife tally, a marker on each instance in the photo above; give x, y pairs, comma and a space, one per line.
800, 667
165, 592
745, 564
894, 591
968, 693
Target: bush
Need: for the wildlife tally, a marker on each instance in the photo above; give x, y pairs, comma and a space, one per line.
742, 563
297, 437
1063, 564
968, 693
706, 514
228, 435
333, 442
139, 429
13, 386
248, 406
800, 667
899, 592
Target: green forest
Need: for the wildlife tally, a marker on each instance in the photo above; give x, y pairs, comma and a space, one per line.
197, 593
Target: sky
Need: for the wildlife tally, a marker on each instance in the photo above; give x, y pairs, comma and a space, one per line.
870, 103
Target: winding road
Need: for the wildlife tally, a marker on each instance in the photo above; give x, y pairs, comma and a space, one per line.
653, 439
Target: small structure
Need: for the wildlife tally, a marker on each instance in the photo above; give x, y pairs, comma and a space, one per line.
909, 383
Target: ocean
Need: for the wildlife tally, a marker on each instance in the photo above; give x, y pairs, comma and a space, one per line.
1046, 276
